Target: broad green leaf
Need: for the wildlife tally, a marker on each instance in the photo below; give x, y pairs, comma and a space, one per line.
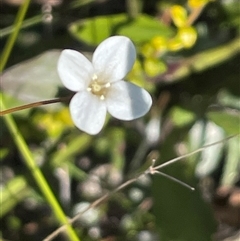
206, 59
181, 214
203, 60
94, 30
144, 28
33, 80
229, 121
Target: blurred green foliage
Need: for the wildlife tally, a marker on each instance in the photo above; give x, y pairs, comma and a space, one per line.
188, 55
93, 31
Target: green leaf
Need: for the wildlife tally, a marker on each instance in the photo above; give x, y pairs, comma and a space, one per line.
117, 135
181, 117
232, 164
203, 133
94, 30
203, 61
14, 192
76, 172
226, 98
33, 80
181, 214
229, 121
10, 102
3, 153
76, 146
144, 28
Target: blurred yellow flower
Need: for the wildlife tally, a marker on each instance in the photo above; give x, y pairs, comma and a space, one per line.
197, 3
54, 122
159, 43
154, 67
179, 15
175, 44
148, 50
136, 74
188, 36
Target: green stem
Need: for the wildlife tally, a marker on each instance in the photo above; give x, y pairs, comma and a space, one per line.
134, 7
12, 38
25, 24
37, 174
19, 140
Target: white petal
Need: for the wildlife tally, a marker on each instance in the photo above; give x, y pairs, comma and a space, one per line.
126, 101
114, 58
88, 112
74, 69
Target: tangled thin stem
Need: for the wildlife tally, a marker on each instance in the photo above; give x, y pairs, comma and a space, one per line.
152, 170
34, 104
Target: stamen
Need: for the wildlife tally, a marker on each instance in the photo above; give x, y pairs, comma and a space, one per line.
98, 88
107, 85
94, 77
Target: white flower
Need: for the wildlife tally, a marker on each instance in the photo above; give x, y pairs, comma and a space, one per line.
100, 86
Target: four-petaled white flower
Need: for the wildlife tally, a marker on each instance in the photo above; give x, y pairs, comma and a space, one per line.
100, 86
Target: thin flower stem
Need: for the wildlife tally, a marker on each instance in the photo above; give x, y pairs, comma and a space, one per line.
151, 170
195, 14
12, 38
133, 8
19, 140
25, 24
94, 204
170, 162
35, 104
38, 176
175, 180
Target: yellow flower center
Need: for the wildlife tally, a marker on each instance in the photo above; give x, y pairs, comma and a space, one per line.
98, 88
